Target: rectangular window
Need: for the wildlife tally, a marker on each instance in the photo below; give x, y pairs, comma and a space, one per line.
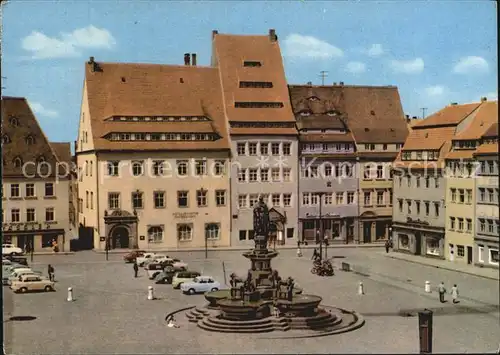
287, 149
436, 182
15, 215
419, 155
87, 197
49, 189
242, 201
491, 196
91, 200
417, 205
275, 148
400, 204
242, 235
314, 199
264, 174
182, 167
493, 258
264, 148
252, 174
242, 175
417, 180
452, 223
380, 171
461, 195
469, 225
113, 168
30, 190
367, 198
350, 198
289, 233
184, 232
287, 174
155, 234
201, 198
427, 208
328, 170
482, 225
328, 199
137, 201
367, 173
276, 200
460, 251
114, 200
482, 195
469, 196
408, 202
436, 209
427, 183
49, 214
30, 215
220, 198
253, 200
182, 199
408, 179
241, 148
252, 148
339, 197
453, 193
460, 224
275, 174
14, 190
219, 167
490, 226
159, 199
380, 198
287, 200
306, 199
158, 167
201, 167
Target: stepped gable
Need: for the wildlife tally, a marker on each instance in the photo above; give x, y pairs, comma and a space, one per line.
252, 74
23, 141
150, 91
319, 108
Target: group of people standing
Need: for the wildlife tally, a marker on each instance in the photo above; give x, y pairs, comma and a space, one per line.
453, 292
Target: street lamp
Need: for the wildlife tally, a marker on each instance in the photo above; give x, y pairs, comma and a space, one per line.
321, 236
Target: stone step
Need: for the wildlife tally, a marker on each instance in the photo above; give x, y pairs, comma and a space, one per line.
316, 326
204, 326
236, 323
228, 325
202, 310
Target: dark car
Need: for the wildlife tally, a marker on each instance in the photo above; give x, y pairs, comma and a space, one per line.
166, 276
130, 257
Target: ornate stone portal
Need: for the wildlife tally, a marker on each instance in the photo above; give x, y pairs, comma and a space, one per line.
264, 302
121, 229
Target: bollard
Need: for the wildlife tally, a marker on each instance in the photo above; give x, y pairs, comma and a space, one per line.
70, 294
150, 293
361, 289
299, 252
427, 286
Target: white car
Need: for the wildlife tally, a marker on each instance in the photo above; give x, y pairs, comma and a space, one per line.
140, 260
16, 275
200, 284
157, 258
8, 249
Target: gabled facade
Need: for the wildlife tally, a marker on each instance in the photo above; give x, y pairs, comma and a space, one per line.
328, 181
262, 132
419, 210
461, 179
153, 156
35, 182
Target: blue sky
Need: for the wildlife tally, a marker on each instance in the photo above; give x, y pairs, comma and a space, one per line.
436, 52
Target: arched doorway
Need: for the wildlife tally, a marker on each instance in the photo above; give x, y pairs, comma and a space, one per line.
119, 237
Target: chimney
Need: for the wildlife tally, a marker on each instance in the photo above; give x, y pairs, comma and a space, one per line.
334, 84
214, 32
341, 83
91, 60
272, 35
414, 117
454, 104
484, 99
309, 83
187, 59
407, 117
193, 59
93, 64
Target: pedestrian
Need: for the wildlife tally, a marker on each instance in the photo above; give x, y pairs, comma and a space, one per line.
387, 245
442, 291
136, 268
454, 293
299, 252
315, 254
50, 270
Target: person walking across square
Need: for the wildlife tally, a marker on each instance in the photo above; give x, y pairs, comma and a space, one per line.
442, 291
50, 271
454, 293
136, 268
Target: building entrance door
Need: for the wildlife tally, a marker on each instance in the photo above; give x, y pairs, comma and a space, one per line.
119, 238
418, 243
367, 232
469, 255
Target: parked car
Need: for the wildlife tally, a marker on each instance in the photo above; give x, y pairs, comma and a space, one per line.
175, 263
153, 269
9, 249
200, 284
158, 258
19, 259
32, 283
11, 270
6, 262
131, 257
166, 276
183, 276
17, 275
140, 260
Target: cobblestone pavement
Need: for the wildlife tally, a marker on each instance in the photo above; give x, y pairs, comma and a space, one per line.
111, 313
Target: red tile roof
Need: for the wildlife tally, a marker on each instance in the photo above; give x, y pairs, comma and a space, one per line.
450, 115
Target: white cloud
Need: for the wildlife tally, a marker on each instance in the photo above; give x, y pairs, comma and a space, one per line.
355, 67
375, 50
413, 66
471, 64
433, 91
310, 47
39, 109
42, 46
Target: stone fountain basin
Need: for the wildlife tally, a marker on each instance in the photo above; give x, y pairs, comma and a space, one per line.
300, 305
256, 256
238, 310
213, 297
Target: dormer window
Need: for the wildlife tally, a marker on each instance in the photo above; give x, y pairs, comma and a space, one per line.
252, 63
305, 113
18, 162
333, 113
313, 98
5, 139
14, 121
30, 140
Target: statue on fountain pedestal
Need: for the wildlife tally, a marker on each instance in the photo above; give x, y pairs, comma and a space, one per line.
261, 223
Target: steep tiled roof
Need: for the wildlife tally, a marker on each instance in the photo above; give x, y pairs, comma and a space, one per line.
485, 116
62, 150
373, 114
16, 110
450, 115
230, 53
428, 138
323, 137
460, 154
125, 89
487, 149
492, 131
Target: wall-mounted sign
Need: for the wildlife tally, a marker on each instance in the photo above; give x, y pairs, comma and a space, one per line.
185, 214
142, 237
102, 239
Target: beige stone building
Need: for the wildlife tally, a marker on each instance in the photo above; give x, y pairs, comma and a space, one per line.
35, 182
153, 156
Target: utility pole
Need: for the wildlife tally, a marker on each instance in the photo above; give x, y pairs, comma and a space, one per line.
423, 111
323, 74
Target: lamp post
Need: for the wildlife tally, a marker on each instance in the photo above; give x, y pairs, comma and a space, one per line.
389, 237
321, 236
206, 244
106, 247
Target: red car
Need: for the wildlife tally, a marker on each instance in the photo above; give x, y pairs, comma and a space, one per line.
130, 257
